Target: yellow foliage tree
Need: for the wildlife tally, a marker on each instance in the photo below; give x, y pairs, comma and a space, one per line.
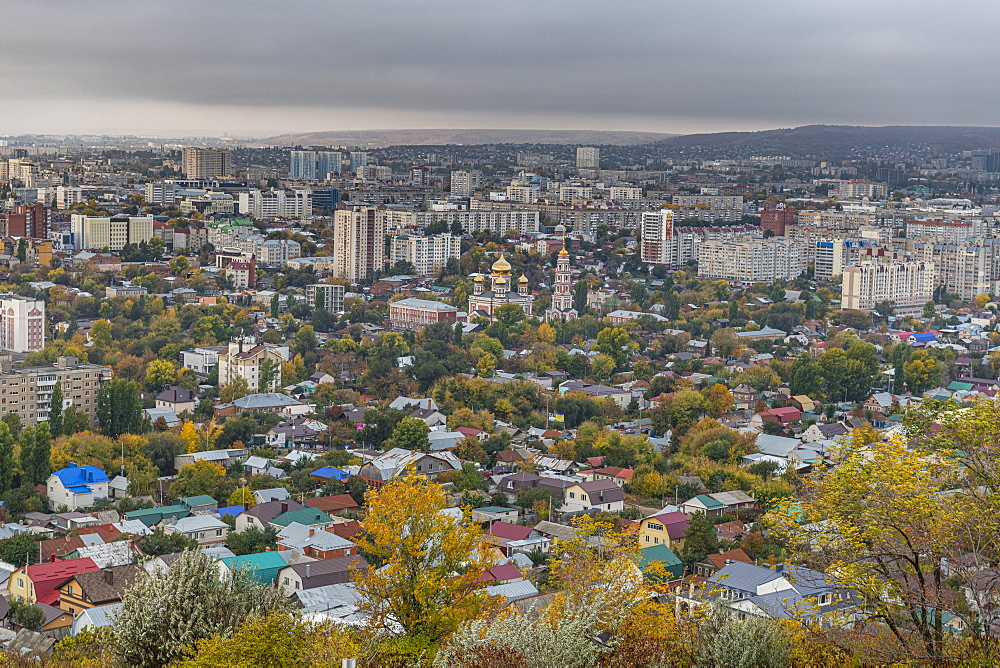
429, 584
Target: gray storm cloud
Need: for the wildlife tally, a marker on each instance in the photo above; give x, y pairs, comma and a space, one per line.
268, 67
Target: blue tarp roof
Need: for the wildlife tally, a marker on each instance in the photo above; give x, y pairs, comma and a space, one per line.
924, 337
331, 472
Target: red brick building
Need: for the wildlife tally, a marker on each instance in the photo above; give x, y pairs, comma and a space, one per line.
776, 217
418, 313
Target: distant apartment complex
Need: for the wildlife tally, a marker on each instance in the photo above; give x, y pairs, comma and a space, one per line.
464, 183
206, 163
588, 157
28, 391
33, 220
275, 203
751, 260
326, 297
428, 255
114, 233
22, 324
314, 165
907, 285
244, 358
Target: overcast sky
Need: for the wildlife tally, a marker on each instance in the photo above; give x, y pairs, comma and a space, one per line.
260, 68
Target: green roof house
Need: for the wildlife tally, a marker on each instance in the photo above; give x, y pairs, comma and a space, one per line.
658, 563
263, 566
310, 517
153, 516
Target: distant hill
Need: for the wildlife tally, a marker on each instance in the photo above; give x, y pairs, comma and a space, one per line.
376, 138
826, 138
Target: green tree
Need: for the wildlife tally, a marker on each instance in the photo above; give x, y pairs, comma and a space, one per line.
509, 315
164, 615
253, 540
56, 410
700, 539
929, 311
100, 333
13, 421
21, 550
25, 614
236, 389
268, 375
158, 543
119, 409
603, 366
411, 434
305, 341
615, 341
201, 477
6, 459
275, 305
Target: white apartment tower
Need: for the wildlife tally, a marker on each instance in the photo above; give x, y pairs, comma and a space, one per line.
428, 255
656, 237
112, 233
588, 157
908, 285
751, 260
22, 324
464, 183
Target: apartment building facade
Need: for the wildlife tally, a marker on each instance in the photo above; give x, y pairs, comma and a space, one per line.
22, 324
114, 233
751, 260
418, 313
280, 203
465, 182
358, 242
908, 285
28, 391
206, 163
428, 255
244, 358
326, 296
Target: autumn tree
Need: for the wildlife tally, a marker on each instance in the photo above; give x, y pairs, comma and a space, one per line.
720, 400
615, 341
6, 458
429, 583
236, 389
922, 372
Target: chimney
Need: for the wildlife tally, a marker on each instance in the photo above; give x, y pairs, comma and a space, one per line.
109, 576
284, 507
312, 532
308, 570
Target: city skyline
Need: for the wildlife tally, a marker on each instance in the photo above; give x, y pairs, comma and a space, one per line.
261, 70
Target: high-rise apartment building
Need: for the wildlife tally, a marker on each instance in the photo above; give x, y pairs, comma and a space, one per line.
966, 270
275, 203
858, 188
326, 297
358, 159
27, 391
314, 165
908, 285
22, 324
358, 242
161, 193
656, 237
67, 196
986, 160
428, 255
114, 233
206, 163
32, 220
948, 231
776, 217
751, 260
465, 182
588, 157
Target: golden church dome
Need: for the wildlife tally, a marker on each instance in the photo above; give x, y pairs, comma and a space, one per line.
480, 279
523, 280
501, 266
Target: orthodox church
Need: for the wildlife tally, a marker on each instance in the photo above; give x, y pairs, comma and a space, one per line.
484, 302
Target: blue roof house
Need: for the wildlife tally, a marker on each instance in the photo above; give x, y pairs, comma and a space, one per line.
76, 487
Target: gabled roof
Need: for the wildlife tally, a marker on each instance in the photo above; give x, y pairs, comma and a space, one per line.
332, 504
507, 531
47, 577
107, 585
264, 565
706, 501
265, 512
175, 395
328, 571
306, 516
719, 560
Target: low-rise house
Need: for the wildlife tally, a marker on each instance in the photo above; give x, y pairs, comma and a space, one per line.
263, 566
310, 517
615, 474
316, 543
106, 555
783, 592
501, 533
703, 503
824, 432
667, 528
98, 617
153, 516
602, 495
659, 564
255, 465
398, 462
273, 494
715, 562
266, 402
492, 513
224, 458
76, 487
200, 504
313, 574
176, 398
41, 582
333, 504
501, 574
206, 529
745, 397
555, 531
96, 588
408, 404
326, 474
260, 516
432, 418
